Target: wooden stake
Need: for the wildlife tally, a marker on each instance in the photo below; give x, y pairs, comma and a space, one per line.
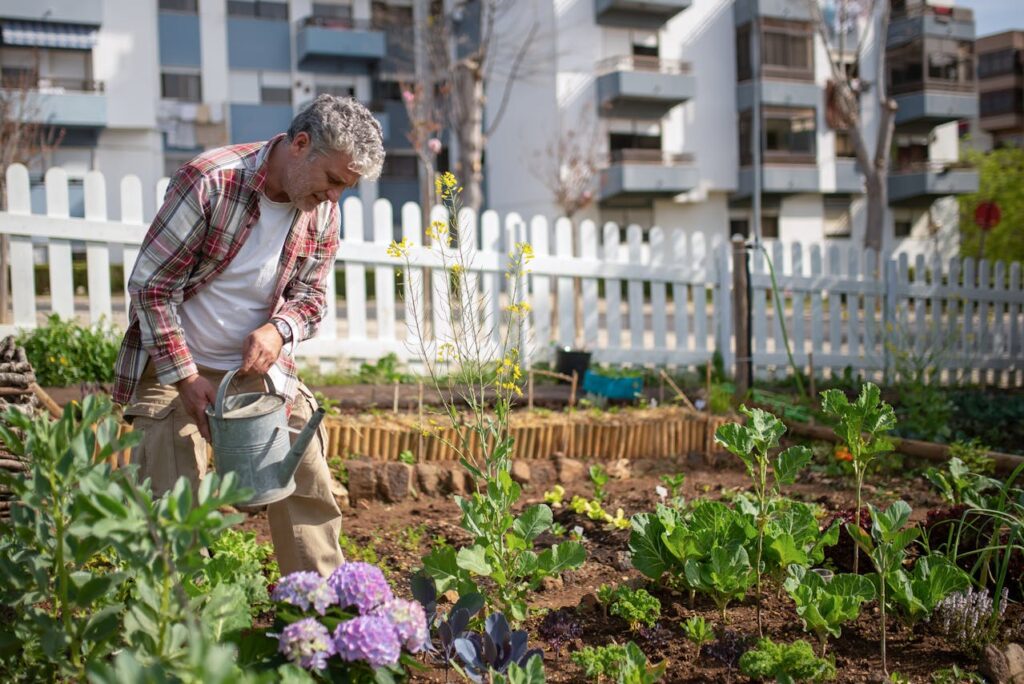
394, 408
422, 427
741, 315
46, 400
686, 400
708, 441
529, 391
572, 389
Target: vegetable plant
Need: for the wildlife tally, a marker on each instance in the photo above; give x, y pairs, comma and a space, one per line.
495, 650
620, 663
725, 575
752, 444
959, 484
636, 606
786, 663
698, 631
825, 606
452, 626
886, 546
919, 591
793, 537
599, 478
862, 425
674, 483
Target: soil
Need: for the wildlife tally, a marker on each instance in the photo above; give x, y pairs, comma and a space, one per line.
401, 534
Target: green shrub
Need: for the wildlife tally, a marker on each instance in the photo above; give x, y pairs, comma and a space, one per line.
635, 606
786, 663
64, 353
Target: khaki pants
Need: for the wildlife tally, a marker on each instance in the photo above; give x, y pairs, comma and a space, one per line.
304, 527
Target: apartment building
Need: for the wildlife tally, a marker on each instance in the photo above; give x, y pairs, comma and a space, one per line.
1001, 87
141, 86
664, 94
668, 93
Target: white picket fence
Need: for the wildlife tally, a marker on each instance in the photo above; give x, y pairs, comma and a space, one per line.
662, 296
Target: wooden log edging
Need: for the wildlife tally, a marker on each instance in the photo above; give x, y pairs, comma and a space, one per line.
939, 453
644, 433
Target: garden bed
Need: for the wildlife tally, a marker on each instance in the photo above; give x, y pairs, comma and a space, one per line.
398, 535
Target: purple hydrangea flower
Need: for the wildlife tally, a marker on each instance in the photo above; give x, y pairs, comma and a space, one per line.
306, 643
370, 638
305, 589
361, 585
410, 622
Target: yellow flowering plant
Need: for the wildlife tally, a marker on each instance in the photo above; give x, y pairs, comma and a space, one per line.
475, 364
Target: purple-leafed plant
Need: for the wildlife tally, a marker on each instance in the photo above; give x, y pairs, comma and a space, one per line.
450, 628
560, 627
493, 650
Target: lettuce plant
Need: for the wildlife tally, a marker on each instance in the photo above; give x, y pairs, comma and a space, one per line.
752, 444
619, 663
599, 478
862, 425
918, 592
725, 575
825, 606
636, 606
698, 631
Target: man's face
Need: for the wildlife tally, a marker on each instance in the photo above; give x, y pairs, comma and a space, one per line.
312, 178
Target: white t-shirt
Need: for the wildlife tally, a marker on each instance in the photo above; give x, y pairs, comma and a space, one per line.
218, 318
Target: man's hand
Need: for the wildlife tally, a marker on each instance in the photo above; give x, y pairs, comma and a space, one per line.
196, 394
261, 349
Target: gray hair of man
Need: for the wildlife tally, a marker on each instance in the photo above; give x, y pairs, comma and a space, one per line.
342, 124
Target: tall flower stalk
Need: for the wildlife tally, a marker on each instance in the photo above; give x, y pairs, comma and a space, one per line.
475, 362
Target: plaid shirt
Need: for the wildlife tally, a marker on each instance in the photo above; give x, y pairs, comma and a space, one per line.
210, 207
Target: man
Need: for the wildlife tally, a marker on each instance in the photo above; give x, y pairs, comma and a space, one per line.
232, 274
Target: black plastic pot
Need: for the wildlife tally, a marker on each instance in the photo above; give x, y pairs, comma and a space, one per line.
568, 360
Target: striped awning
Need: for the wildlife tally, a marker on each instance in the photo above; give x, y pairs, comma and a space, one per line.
46, 34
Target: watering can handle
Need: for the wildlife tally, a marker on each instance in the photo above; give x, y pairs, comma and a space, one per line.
225, 383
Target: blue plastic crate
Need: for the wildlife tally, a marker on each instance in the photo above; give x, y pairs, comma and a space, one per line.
612, 388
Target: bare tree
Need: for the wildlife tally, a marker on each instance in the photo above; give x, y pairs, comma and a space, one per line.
24, 138
844, 101
463, 51
571, 168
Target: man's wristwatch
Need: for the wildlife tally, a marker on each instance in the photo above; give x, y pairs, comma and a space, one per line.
283, 329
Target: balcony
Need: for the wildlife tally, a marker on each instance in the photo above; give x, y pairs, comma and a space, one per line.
71, 11
637, 87
779, 93
644, 175
68, 103
641, 14
917, 22
926, 181
331, 43
927, 108
782, 173
744, 11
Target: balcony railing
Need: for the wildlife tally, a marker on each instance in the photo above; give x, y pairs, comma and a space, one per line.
52, 85
642, 63
951, 13
654, 157
340, 23
929, 166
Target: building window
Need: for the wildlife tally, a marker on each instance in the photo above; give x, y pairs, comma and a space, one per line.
837, 218
270, 95
951, 61
902, 226
844, 144
336, 90
787, 49
743, 67
933, 62
184, 87
769, 227
260, 9
999, 102
399, 167
188, 6
328, 10
1001, 62
789, 131
739, 227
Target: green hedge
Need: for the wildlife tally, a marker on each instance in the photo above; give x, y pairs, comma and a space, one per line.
64, 353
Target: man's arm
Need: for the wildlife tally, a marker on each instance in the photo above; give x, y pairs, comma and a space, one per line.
156, 287
305, 297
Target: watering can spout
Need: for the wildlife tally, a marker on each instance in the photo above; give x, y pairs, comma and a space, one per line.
291, 461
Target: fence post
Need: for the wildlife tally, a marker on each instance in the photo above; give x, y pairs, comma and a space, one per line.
741, 315
723, 305
889, 283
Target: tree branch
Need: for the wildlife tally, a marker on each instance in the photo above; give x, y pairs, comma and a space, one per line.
510, 81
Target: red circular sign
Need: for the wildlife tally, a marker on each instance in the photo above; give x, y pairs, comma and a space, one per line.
987, 215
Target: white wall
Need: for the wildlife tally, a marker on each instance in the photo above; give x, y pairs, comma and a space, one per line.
136, 152
709, 216
126, 60
802, 219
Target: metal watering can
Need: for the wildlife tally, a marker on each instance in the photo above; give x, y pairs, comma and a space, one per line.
250, 437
